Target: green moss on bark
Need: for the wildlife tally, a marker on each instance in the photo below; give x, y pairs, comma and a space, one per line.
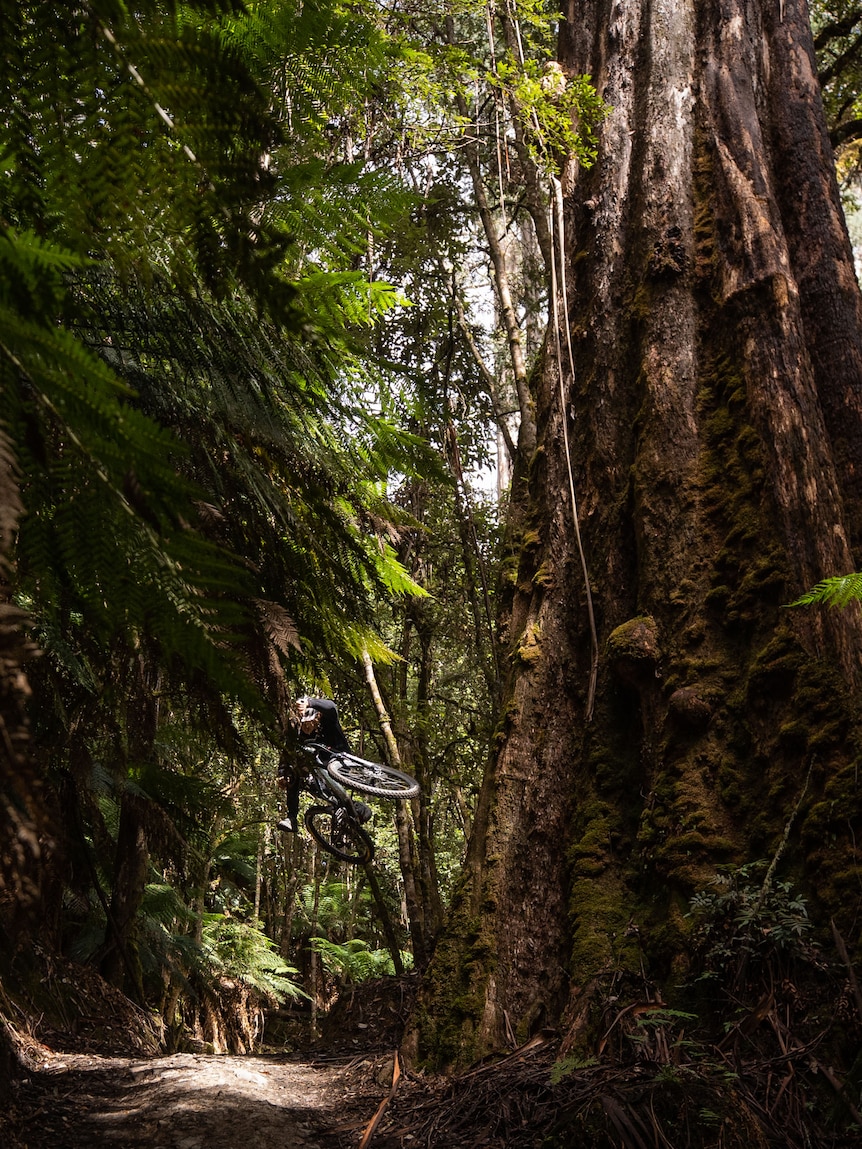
449, 1026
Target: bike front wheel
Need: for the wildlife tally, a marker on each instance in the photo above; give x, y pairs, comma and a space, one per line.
343, 837
371, 777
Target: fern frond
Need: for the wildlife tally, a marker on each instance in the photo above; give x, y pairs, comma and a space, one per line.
234, 949
279, 627
840, 590
359, 641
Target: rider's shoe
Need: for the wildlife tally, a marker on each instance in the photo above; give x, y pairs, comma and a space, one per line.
288, 825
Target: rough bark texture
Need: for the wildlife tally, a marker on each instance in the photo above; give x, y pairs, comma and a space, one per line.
716, 425
121, 963
22, 818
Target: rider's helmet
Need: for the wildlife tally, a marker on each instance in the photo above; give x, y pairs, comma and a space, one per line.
308, 717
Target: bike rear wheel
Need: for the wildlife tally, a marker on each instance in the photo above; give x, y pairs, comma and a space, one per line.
344, 837
371, 777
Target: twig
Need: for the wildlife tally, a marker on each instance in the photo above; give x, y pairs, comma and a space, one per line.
510, 1034
381, 1108
782, 846
534, 1043
845, 957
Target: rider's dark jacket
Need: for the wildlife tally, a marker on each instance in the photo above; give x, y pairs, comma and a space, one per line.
329, 731
329, 734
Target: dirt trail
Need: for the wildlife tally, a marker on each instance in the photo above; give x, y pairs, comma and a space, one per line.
196, 1101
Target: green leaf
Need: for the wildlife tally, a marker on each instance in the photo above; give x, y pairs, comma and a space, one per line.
840, 590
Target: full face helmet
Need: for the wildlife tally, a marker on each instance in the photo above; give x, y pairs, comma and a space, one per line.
307, 716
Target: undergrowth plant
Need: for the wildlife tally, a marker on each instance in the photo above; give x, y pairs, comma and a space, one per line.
743, 926
239, 950
355, 961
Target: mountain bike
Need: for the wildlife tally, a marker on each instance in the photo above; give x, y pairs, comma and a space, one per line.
336, 823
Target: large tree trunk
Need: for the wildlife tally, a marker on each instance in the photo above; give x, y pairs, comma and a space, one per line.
715, 421
22, 814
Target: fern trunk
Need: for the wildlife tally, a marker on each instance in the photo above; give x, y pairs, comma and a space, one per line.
715, 420
121, 964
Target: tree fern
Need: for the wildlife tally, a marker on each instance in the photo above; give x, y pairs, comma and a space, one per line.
234, 949
120, 137
204, 483
355, 961
296, 472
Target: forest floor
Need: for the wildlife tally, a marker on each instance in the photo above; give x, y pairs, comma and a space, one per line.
102, 1084
95, 1088
99, 1088
195, 1101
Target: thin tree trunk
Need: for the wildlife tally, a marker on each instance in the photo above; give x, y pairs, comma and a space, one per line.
483, 622
385, 919
491, 384
535, 194
21, 817
121, 964
502, 284
314, 958
406, 848
291, 872
258, 870
21, 814
429, 882
121, 961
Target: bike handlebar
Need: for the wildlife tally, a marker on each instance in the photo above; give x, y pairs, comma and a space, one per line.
316, 748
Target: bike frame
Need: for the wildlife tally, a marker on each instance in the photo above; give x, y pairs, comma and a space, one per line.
328, 777
320, 783
340, 832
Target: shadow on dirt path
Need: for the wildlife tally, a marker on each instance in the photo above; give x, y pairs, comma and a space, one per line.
194, 1101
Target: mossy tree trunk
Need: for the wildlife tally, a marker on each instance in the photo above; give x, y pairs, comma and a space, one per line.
715, 421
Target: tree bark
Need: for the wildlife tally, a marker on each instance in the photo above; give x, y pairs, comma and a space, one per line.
22, 816
121, 963
716, 424
406, 845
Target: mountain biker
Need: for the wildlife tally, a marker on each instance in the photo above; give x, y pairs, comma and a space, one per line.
314, 720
